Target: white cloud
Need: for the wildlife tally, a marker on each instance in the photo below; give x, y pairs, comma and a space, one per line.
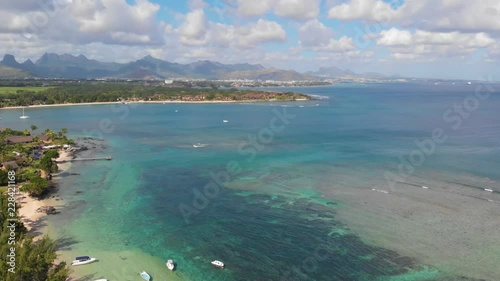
193, 31
197, 4
294, 9
314, 33
374, 10
396, 37
449, 15
250, 8
341, 45
247, 36
432, 45
85, 21
297, 9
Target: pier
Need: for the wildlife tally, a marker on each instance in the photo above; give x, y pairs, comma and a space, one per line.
86, 159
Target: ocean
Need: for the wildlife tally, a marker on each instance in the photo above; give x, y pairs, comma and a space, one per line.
276, 192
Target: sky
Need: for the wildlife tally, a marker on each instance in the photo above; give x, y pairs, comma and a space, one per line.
414, 38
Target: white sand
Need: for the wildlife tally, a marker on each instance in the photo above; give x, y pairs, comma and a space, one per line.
29, 206
142, 102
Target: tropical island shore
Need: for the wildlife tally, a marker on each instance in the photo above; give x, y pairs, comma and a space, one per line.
34, 209
84, 93
145, 102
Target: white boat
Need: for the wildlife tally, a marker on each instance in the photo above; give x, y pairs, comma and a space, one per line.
170, 265
217, 263
469, 83
225, 121
83, 260
101, 280
24, 116
144, 275
198, 145
489, 190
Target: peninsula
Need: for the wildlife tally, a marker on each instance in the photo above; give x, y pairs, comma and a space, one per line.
42, 93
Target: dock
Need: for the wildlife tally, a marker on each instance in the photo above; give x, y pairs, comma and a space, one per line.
87, 159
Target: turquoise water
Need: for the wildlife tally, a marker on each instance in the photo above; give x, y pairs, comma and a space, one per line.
276, 217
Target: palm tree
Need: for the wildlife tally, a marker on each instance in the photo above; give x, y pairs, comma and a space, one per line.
49, 133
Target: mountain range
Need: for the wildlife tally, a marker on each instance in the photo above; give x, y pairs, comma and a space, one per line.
67, 66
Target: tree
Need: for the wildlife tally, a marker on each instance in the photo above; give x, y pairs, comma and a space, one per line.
47, 164
4, 179
35, 261
52, 153
37, 186
49, 133
33, 128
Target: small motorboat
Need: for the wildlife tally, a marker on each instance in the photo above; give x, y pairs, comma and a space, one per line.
198, 145
218, 264
83, 260
488, 189
101, 280
225, 121
144, 275
170, 265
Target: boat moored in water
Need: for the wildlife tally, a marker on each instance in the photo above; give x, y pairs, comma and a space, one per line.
170, 265
218, 264
83, 260
144, 275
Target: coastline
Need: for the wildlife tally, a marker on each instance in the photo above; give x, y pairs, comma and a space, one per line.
149, 102
29, 210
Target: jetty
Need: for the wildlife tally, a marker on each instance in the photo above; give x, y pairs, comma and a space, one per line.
86, 159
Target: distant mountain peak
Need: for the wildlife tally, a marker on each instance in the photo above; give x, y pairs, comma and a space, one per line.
10, 60
51, 65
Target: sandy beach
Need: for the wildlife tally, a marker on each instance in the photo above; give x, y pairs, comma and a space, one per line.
29, 213
144, 102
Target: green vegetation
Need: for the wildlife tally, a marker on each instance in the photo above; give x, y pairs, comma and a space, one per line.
34, 261
88, 92
18, 90
36, 186
29, 167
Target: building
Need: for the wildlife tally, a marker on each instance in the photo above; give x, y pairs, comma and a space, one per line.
9, 165
18, 139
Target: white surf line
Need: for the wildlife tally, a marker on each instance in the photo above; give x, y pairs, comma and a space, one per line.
383, 191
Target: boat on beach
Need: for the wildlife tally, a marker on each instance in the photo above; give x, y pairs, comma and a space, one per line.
83, 260
218, 264
170, 265
144, 275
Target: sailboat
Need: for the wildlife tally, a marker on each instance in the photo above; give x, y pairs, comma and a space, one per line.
24, 116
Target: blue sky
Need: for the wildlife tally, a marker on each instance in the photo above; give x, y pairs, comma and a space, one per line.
421, 38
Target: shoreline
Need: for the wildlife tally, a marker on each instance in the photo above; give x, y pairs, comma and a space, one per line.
149, 102
29, 206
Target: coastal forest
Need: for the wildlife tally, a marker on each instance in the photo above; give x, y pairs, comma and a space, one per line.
121, 91
21, 257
